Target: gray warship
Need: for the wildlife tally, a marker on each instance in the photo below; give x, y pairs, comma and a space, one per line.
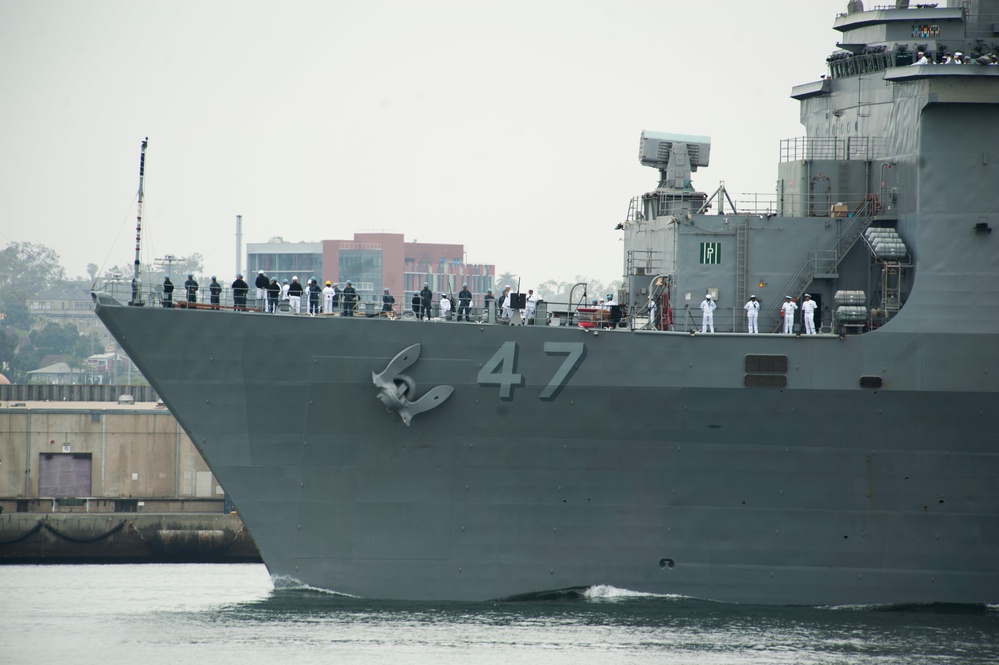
396, 459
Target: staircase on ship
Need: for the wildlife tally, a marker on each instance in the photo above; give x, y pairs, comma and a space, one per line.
888, 252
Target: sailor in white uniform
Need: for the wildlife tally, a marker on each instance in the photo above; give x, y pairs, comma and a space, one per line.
808, 314
530, 305
328, 294
505, 304
787, 311
752, 315
708, 307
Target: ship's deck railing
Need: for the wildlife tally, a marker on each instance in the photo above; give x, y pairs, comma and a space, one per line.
833, 148
844, 64
365, 305
732, 319
728, 318
748, 203
817, 204
554, 312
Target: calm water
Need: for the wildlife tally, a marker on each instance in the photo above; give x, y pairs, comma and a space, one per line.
152, 614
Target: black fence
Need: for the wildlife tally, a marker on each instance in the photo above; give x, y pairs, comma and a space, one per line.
27, 392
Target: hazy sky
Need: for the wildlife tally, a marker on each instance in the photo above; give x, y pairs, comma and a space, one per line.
510, 127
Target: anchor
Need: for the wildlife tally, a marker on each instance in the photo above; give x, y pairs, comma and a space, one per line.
395, 387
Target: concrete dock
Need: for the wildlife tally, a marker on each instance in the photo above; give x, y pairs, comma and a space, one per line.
109, 482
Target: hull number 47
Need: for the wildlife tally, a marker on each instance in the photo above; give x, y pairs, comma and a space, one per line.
501, 369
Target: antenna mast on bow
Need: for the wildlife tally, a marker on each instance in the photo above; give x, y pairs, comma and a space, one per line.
136, 300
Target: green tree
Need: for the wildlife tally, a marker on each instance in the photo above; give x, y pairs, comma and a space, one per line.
117, 272
15, 315
26, 270
507, 278
8, 351
178, 267
55, 339
85, 346
28, 358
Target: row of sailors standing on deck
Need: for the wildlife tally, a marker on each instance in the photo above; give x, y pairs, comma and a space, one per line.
423, 303
957, 59
808, 307
190, 289
318, 300
708, 307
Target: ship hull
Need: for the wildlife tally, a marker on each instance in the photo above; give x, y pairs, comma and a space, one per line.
855, 470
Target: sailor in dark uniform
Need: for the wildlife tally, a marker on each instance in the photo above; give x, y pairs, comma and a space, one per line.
191, 286
464, 300
262, 283
167, 292
349, 299
489, 300
426, 297
295, 291
314, 292
214, 291
239, 290
388, 302
273, 293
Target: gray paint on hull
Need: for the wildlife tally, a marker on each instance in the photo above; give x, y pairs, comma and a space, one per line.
819, 493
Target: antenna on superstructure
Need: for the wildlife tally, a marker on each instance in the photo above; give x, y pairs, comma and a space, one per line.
675, 156
136, 300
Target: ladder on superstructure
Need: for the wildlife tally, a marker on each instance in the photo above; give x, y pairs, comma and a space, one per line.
891, 288
890, 252
742, 264
827, 258
650, 260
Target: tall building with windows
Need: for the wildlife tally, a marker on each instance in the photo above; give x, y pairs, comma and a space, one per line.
284, 260
372, 261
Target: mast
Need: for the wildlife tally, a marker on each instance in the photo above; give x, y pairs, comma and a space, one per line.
136, 300
239, 244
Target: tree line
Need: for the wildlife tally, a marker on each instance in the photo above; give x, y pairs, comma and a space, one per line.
28, 271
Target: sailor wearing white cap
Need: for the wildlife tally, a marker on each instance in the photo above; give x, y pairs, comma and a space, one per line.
808, 314
708, 307
505, 301
787, 311
445, 308
262, 283
295, 291
752, 315
530, 306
